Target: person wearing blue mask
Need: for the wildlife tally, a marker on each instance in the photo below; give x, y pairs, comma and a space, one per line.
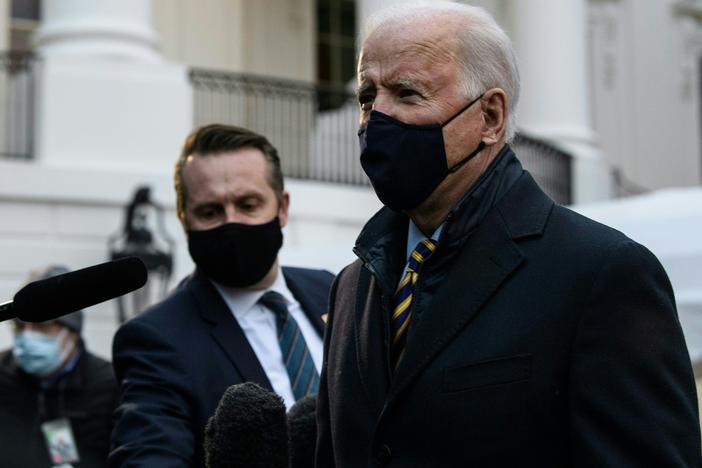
56, 398
483, 325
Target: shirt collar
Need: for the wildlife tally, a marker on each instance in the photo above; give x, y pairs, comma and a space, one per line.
241, 301
415, 236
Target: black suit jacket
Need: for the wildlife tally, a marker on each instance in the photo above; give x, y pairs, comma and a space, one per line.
87, 396
552, 341
175, 361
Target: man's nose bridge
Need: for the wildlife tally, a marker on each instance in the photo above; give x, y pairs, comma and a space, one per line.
383, 103
230, 213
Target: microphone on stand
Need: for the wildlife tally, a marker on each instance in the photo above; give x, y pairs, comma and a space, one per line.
59, 295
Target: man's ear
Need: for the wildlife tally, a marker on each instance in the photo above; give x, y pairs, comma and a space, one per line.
183, 222
283, 209
494, 104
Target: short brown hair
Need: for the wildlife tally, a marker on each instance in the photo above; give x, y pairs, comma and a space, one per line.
217, 138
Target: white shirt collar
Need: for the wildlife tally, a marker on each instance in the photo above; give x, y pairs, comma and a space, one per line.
241, 301
415, 236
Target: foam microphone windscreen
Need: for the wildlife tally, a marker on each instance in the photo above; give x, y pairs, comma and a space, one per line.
302, 425
53, 297
249, 429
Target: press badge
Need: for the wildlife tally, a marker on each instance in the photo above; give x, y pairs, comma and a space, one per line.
60, 442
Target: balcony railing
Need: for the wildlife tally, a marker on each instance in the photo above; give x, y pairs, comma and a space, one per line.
313, 144
550, 166
17, 105
315, 128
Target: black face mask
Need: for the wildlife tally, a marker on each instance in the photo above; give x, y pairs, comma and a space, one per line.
234, 254
406, 162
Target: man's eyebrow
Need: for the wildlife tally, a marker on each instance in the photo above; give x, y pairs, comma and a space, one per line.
408, 82
251, 195
205, 205
402, 82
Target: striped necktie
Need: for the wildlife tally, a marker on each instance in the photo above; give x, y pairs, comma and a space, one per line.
304, 378
402, 302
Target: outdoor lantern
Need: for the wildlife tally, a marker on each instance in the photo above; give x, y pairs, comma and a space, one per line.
144, 236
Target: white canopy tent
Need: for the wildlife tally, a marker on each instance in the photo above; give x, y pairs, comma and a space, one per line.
669, 223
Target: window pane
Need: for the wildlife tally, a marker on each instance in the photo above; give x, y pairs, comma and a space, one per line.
348, 19
323, 24
348, 63
323, 63
25, 9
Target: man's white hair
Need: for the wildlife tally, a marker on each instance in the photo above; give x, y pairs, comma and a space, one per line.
487, 56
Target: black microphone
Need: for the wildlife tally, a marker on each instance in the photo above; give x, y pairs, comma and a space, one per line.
59, 295
249, 428
302, 425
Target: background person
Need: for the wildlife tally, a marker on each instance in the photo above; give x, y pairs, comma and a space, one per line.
239, 317
54, 393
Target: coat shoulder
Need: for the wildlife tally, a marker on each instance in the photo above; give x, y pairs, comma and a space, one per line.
585, 232
309, 274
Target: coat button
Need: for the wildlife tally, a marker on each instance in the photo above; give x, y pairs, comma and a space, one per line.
383, 455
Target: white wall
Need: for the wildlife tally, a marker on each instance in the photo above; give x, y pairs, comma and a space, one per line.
644, 72
268, 37
4, 24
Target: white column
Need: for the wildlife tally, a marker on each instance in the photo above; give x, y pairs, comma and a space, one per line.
550, 40
97, 27
4, 24
105, 98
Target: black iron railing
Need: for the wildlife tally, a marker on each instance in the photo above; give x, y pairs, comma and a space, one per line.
17, 105
550, 166
313, 144
315, 128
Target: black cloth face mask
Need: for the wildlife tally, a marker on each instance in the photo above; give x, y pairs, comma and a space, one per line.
406, 162
234, 254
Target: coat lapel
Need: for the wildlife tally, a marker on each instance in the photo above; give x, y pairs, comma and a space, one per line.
488, 258
369, 330
227, 332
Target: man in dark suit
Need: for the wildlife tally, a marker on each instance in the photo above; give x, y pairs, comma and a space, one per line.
483, 325
239, 317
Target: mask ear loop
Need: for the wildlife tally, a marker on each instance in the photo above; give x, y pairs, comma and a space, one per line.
63, 342
465, 108
460, 163
481, 145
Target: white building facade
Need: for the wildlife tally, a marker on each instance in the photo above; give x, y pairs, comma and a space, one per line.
614, 83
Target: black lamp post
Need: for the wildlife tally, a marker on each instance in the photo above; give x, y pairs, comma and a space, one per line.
143, 219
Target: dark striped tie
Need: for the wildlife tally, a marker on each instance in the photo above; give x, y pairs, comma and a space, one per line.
402, 302
304, 378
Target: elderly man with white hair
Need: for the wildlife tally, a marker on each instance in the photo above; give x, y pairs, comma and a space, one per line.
483, 325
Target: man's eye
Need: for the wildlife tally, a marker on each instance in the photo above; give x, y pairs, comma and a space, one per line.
405, 93
208, 213
249, 206
365, 99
